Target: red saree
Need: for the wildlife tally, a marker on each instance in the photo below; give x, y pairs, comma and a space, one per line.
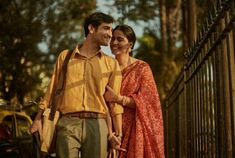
142, 127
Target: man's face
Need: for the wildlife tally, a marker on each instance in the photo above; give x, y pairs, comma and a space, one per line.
103, 34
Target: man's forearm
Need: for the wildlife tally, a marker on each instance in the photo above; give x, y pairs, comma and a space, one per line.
109, 124
118, 124
39, 114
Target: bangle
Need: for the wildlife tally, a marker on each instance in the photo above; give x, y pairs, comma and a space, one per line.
119, 136
124, 100
110, 136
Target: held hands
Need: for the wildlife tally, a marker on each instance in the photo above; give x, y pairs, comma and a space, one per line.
115, 142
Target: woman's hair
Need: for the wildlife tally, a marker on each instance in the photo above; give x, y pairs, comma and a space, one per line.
128, 32
96, 19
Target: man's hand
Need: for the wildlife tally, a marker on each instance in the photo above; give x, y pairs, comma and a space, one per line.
37, 123
36, 126
115, 142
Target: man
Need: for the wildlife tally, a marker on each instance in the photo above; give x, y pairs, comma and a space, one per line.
82, 126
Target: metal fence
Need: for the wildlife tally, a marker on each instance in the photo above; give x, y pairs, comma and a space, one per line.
199, 112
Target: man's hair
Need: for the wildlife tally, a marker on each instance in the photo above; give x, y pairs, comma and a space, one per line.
95, 20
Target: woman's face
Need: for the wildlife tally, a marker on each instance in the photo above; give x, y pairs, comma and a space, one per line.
119, 43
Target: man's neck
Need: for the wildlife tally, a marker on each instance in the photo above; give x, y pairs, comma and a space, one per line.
89, 48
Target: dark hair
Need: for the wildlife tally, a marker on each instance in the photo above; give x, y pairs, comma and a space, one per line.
128, 32
95, 19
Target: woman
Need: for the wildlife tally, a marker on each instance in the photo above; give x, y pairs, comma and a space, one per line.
142, 119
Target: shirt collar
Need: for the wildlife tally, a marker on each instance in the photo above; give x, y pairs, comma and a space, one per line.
77, 52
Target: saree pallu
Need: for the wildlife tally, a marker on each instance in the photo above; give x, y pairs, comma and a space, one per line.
143, 126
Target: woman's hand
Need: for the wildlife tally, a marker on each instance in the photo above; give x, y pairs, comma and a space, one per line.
111, 96
115, 146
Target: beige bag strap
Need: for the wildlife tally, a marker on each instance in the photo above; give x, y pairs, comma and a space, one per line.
61, 82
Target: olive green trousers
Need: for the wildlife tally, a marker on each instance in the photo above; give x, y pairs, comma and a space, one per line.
81, 138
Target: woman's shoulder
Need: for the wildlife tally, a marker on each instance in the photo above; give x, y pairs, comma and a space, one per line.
141, 63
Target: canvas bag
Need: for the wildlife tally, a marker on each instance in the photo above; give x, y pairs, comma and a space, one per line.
51, 114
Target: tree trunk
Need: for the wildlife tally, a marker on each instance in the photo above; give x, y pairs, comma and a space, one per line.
163, 25
192, 19
185, 25
172, 13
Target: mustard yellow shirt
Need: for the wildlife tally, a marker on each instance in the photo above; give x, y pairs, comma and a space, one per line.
85, 83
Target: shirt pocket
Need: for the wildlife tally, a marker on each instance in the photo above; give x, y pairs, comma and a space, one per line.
100, 74
75, 74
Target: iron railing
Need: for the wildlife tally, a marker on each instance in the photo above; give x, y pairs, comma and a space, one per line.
199, 111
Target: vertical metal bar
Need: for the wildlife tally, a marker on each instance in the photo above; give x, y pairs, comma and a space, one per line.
187, 119
231, 69
202, 109
209, 133
213, 99
221, 102
216, 86
200, 105
214, 102
189, 115
194, 114
166, 127
207, 104
200, 102
195, 108
226, 95
211, 107
193, 125
213, 112
190, 118
209, 96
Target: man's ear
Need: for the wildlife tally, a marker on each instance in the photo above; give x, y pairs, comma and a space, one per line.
91, 28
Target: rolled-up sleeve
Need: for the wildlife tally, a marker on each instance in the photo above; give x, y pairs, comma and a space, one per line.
45, 101
115, 83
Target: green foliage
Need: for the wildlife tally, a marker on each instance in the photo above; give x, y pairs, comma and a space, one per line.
165, 65
136, 10
32, 33
20, 32
24, 26
164, 69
